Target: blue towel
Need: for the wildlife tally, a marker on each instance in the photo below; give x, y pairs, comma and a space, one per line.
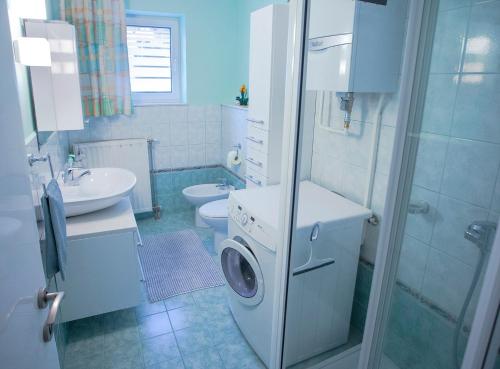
55, 230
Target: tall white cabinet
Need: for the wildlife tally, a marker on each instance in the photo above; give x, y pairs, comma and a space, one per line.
267, 73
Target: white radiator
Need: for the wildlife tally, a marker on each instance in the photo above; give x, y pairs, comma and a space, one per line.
131, 154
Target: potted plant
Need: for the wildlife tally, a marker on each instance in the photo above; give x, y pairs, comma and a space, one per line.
243, 98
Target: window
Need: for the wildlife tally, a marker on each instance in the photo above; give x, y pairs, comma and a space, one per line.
154, 53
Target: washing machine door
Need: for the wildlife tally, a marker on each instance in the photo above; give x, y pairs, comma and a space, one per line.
242, 271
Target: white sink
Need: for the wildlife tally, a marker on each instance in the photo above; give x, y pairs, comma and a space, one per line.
102, 188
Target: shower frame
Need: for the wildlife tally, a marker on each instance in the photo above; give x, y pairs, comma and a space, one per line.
483, 340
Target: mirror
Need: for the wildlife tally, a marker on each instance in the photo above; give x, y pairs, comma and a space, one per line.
56, 88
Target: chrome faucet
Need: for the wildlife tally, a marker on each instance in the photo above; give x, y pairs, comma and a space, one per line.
69, 178
481, 234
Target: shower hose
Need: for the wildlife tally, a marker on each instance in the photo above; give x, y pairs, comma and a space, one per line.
461, 317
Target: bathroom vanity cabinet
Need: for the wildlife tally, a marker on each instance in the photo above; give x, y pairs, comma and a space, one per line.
102, 272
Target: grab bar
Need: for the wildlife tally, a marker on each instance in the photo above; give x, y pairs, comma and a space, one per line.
255, 162
253, 179
256, 140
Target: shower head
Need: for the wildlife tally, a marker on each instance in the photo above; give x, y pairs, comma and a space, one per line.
481, 234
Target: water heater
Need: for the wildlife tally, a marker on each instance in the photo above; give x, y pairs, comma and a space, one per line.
356, 46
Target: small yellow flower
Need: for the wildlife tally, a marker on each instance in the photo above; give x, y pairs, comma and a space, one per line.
243, 89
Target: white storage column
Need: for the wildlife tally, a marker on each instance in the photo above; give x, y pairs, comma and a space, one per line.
267, 72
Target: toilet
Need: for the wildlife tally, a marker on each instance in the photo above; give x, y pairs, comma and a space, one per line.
215, 214
201, 194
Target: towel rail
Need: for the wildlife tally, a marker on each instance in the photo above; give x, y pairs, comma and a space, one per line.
33, 159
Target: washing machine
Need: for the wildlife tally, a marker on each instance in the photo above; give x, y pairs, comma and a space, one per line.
248, 259
324, 261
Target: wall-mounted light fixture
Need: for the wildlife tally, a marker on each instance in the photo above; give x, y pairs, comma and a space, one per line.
32, 51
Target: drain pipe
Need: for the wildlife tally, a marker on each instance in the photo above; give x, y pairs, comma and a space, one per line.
372, 164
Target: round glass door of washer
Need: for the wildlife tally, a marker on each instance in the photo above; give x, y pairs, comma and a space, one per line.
242, 271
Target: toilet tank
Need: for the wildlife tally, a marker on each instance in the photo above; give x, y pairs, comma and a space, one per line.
355, 45
320, 300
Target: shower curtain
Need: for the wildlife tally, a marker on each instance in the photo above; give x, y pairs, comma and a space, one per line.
102, 54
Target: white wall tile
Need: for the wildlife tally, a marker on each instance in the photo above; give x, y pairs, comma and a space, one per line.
161, 132
213, 113
196, 155
162, 157
385, 149
413, 262
234, 131
213, 134
180, 156
470, 169
446, 281
179, 133
430, 162
354, 183
173, 125
196, 113
196, 133
178, 114
213, 154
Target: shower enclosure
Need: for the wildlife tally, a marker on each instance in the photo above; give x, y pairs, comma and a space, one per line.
418, 148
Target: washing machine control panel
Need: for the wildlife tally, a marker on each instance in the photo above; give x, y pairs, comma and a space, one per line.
261, 232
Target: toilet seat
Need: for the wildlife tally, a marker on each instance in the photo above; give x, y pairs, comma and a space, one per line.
215, 209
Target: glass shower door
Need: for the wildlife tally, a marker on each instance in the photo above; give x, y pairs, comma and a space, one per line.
450, 200
349, 96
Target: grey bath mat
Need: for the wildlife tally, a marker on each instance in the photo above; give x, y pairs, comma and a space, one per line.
177, 263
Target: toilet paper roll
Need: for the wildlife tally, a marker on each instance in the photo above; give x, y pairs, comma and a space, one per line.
233, 159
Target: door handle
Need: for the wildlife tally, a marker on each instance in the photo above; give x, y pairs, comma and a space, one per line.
43, 299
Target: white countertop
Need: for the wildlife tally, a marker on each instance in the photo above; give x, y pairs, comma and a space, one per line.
117, 218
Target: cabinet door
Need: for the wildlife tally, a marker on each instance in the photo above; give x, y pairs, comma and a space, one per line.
102, 275
261, 28
56, 89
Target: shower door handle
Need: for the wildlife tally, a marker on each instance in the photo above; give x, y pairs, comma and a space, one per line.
43, 298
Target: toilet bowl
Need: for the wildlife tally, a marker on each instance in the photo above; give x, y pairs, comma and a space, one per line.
215, 214
199, 195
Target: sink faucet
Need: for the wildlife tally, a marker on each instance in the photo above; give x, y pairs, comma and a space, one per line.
69, 178
223, 183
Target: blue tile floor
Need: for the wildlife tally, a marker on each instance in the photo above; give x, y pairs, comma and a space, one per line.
190, 331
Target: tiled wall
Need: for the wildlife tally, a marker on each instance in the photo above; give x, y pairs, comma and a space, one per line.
188, 135
171, 183
457, 170
56, 145
234, 131
340, 162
